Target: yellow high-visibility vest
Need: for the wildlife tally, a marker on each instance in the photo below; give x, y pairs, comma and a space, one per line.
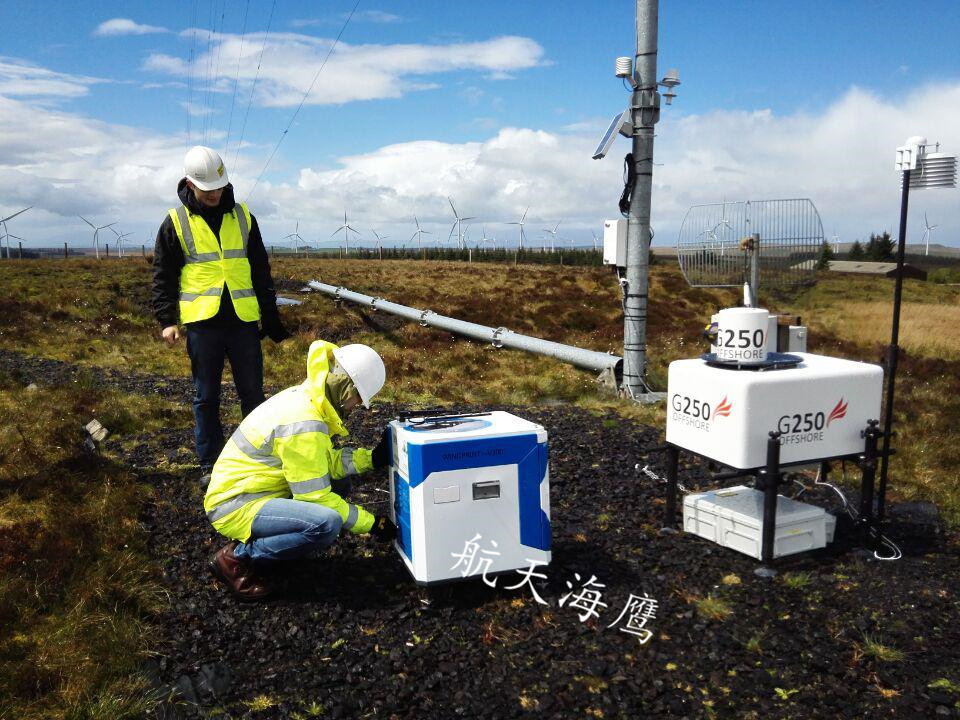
209, 265
283, 449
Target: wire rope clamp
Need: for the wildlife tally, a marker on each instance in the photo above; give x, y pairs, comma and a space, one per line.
496, 342
373, 303
423, 317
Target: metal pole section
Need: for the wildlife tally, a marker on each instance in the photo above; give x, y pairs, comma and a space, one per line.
499, 337
771, 478
893, 352
646, 111
755, 271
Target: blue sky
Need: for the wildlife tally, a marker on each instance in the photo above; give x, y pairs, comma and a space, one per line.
498, 103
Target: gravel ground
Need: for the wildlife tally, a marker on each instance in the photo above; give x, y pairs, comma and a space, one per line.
352, 636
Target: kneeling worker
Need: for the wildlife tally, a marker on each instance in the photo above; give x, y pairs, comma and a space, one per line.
273, 487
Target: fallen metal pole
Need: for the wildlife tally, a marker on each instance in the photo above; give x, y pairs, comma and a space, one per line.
498, 337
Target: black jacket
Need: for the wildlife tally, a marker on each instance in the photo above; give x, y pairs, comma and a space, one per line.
168, 260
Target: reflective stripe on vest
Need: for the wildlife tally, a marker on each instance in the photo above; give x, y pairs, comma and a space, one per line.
235, 503
188, 297
305, 487
352, 515
346, 459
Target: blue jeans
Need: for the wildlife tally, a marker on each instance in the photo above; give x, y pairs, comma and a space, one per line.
287, 529
207, 346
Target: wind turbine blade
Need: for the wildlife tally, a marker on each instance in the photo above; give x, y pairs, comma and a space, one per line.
104, 227
426, 232
87, 221
11, 217
472, 217
524, 216
452, 207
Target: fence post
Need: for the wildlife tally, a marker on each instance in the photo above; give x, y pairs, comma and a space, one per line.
143, 251
20, 245
65, 252
380, 250
107, 249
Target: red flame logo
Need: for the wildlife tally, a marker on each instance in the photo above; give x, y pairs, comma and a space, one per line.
723, 409
839, 411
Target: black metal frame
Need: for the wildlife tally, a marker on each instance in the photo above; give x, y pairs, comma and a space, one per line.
770, 477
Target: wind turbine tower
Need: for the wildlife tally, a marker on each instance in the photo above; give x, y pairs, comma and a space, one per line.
96, 233
520, 223
457, 224
6, 231
420, 231
297, 239
347, 229
553, 236
927, 232
120, 238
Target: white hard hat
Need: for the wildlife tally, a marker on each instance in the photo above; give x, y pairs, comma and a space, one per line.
204, 168
365, 367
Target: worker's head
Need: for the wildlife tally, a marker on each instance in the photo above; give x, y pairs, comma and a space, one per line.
205, 174
365, 369
341, 392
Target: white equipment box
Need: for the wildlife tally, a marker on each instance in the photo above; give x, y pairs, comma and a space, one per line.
615, 242
470, 495
820, 406
733, 518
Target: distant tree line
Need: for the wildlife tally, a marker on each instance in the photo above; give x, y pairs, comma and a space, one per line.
879, 248
567, 256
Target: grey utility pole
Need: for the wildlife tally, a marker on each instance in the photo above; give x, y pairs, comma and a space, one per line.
645, 106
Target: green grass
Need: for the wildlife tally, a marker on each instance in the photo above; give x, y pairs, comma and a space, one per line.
713, 608
871, 647
76, 590
797, 580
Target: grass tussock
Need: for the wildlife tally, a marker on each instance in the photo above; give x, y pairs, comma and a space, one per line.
75, 591
713, 608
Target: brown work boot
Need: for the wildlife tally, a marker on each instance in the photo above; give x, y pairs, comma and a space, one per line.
238, 575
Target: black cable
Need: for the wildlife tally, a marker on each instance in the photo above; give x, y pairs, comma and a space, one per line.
629, 182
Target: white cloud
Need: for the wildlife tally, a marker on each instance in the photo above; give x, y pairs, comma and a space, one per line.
125, 26
841, 157
20, 79
353, 72
371, 16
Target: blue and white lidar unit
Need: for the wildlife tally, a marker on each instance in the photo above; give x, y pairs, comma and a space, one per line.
462, 481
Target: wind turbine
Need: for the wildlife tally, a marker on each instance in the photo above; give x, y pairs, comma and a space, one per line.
420, 231
484, 239
380, 238
456, 224
296, 236
347, 229
722, 224
96, 233
120, 238
6, 232
927, 232
595, 240
520, 223
553, 236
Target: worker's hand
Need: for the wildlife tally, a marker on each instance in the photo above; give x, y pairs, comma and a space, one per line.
171, 334
383, 530
380, 455
272, 327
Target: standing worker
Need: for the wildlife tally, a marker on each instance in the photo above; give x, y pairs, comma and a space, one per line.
277, 488
212, 275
